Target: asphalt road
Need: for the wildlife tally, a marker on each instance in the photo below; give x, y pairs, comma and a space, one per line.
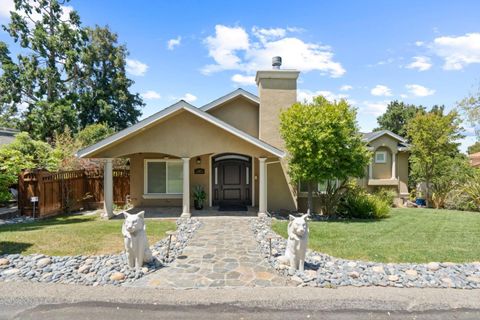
49, 301
94, 311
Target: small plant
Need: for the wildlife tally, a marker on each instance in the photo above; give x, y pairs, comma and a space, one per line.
357, 203
199, 196
387, 195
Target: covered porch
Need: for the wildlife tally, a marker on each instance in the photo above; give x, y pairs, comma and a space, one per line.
182, 147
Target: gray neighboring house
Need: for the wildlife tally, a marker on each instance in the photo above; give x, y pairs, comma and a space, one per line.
7, 135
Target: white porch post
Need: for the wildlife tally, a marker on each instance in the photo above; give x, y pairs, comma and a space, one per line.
370, 170
262, 192
394, 165
186, 188
108, 189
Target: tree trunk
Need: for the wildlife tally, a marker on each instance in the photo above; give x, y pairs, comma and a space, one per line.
427, 192
309, 198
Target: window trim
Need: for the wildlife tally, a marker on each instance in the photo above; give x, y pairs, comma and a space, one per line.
384, 156
152, 195
304, 194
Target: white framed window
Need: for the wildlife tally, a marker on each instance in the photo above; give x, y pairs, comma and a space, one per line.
163, 177
320, 187
380, 157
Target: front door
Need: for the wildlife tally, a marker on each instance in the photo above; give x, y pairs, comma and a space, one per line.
231, 180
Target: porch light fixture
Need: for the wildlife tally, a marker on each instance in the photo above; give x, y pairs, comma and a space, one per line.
199, 160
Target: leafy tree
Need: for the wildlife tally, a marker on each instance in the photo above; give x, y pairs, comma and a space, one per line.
433, 139
471, 108
93, 133
454, 172
324, 144
52, 42
23, 153
396, 117
474, 148
65, 148
66, 75
103, 89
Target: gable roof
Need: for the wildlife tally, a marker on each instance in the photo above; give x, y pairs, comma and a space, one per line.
180, 105
230, 96
370, 136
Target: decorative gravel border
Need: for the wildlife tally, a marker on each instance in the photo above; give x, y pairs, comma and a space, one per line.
19, 219
94, 270
322, 270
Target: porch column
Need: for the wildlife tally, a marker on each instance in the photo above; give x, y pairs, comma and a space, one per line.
186, 188
262, 189
394, 165
108, 189
370, 170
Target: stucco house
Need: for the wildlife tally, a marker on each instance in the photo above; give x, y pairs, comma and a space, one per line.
232, 148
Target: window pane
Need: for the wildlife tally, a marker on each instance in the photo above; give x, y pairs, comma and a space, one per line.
175, 177
156, 177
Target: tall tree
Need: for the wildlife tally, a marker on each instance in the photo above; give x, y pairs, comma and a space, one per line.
53, 40
104, 89
433, 139
471, 108
397, 116
324, 145
474, 148
66, 75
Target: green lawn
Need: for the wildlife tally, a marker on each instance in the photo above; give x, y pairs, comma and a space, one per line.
73, 235
409, 235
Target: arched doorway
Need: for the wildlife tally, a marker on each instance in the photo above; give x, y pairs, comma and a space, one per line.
231, 180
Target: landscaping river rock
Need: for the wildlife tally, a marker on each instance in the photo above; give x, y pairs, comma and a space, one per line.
94, 270
322, 270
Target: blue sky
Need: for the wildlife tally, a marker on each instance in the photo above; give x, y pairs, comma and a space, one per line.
370, 52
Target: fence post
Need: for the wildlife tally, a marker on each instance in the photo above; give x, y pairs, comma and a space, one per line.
40, 186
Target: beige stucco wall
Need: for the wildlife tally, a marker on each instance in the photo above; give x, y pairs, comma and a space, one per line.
279, 196
240, 113
382, 170
402, 170
275, 95
182, 135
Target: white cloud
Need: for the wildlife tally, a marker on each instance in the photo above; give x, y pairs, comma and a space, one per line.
8, 5
172, 43
5, 7
420, 63
243, 80
189, 97
150, 95
308, 95
375, 108
418, 90
419, 43
381, 91
346, 87
232, 48
457, 52
136, 67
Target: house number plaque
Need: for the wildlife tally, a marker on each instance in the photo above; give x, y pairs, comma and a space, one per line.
199, 171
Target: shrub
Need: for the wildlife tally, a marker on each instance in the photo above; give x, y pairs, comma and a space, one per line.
387, 195
357, 203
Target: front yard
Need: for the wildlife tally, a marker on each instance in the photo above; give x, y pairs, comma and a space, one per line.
409, 235
73, 235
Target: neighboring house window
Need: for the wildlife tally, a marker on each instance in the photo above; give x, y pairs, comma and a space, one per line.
380, 157
163, 176
320, 187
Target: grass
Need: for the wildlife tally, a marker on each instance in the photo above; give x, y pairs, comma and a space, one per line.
409, 235
73, 235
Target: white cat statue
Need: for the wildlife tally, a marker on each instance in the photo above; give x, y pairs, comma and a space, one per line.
296, 243
135, 239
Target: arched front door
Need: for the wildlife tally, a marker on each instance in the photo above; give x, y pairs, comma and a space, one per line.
231, 180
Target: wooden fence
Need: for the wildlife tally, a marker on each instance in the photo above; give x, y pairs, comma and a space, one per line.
67, 191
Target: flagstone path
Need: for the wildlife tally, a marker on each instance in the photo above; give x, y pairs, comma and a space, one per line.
222, 253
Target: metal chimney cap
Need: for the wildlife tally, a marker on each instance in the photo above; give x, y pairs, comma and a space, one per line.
276, 62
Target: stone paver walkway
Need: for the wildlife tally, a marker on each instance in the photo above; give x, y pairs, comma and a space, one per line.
222, 253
